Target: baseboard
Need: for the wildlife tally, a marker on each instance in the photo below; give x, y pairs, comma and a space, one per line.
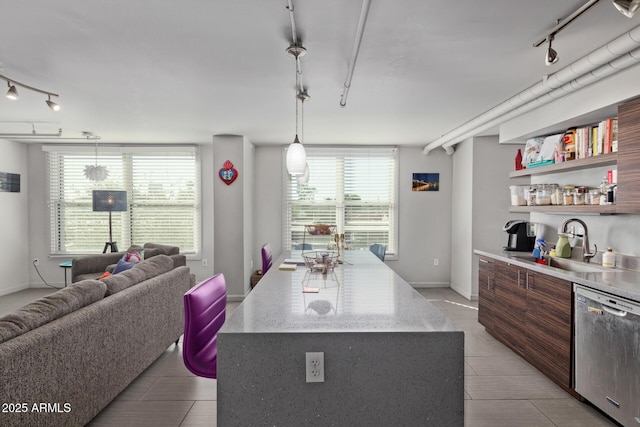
235, 298
13, 289
420, 285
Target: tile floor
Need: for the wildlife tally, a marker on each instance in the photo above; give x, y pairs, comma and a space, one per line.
501, 389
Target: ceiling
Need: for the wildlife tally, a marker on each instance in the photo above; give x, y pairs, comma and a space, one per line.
158, 71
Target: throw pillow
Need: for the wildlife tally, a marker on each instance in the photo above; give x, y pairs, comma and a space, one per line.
133, 258
106, 274
122, 266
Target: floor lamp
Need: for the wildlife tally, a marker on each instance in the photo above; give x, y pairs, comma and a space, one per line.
109, 201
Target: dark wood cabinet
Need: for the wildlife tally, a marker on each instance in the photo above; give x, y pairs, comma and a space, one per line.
529, 312
548, 319
511, 306
486, 290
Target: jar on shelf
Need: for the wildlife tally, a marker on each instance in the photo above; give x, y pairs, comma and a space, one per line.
556, 195
567, 197
580, 196
530, 195
519, 195
543, 194
594, 196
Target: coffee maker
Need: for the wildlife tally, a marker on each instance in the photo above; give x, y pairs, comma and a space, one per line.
522, 235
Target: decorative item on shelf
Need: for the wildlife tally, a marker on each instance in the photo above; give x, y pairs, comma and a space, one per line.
519, 160
228, 173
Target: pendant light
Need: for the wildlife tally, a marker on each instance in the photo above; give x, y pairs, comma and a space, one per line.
95, 172
296, 154
304, 178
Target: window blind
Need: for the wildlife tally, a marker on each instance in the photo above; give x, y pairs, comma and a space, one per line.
163, 196
353, 188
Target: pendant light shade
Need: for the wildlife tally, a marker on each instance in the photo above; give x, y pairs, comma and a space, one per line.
304, 178
12, 93
296, 158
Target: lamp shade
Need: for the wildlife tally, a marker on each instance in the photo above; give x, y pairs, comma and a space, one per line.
627, 7
304, 178
109, 200
296, 158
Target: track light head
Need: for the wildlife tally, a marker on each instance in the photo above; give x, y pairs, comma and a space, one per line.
12, 93
551, 56
53, 105
627, 7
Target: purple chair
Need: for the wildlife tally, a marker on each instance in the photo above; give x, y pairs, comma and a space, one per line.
204, 315
267, 256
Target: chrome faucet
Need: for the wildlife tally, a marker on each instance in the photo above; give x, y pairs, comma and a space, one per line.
586, 255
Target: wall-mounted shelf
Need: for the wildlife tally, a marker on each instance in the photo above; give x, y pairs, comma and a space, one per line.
573, 165
576, 209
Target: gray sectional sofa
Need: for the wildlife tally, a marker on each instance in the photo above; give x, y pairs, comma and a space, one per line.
93, 266
64, 357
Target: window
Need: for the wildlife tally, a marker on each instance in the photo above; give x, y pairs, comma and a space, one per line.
354, 189
163, 196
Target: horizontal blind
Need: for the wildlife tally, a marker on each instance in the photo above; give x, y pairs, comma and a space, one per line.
353, 188
163, 196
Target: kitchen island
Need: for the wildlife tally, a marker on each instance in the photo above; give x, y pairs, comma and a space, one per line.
390, 356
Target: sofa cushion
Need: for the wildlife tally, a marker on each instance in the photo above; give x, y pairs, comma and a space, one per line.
142, 271
122, 266
50, 307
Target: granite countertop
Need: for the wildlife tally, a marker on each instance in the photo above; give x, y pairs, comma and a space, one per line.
616, 281
362, 295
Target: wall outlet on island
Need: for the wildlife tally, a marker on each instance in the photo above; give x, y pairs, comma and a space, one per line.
315, 367
436, 262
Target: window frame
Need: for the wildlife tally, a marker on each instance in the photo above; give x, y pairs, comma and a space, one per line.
341, 206
125, 155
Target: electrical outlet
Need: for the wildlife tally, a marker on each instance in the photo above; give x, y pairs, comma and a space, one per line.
204, 262
315, 367
436, 262
36, 261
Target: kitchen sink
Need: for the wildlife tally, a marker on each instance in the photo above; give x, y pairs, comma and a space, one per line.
565, 264
577, 266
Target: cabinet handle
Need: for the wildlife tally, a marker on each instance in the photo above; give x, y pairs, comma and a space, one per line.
527, 280
484, 260
488, 283
518, 278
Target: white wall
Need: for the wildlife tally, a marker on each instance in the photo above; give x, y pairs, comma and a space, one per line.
462, 218
232, 222
424, 220
14, 224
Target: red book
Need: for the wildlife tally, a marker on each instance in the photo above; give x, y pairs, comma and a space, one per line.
607, 136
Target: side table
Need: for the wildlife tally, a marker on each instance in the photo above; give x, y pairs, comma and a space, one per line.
66, 265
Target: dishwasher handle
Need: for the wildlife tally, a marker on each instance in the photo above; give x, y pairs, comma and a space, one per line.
614, 311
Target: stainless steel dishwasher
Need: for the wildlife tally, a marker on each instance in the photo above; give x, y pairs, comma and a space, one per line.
607, 353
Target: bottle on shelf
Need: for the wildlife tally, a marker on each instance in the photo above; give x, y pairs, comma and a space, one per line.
518, 160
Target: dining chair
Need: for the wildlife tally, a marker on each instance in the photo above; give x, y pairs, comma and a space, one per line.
267, 257
302, 247
379, 250
204, 314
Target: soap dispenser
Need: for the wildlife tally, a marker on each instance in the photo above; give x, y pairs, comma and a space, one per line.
563, 248
609, 258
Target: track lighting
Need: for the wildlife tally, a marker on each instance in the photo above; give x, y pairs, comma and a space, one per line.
627, 7
12, 93
551, 56
53, 105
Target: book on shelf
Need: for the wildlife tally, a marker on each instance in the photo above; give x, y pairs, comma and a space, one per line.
614, 136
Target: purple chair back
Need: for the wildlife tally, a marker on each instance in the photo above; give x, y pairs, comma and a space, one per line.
267, 256
204, 315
